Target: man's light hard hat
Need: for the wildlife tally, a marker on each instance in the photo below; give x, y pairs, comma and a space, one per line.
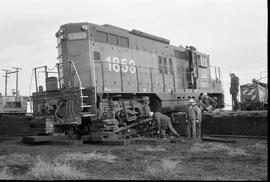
145, 99
191, 101
151, 114
204, 94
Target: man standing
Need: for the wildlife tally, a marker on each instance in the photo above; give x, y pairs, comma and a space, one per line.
145, 107
193, 115
198, 113
163, 122
234, 91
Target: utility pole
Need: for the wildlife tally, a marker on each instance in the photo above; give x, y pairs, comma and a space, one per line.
17, 72
6, 76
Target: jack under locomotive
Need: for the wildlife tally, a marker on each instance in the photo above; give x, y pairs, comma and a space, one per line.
107, 76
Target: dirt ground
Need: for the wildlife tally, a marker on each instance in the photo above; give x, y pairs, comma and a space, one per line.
185, 160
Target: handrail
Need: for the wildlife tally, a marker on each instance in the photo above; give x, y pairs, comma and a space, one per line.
77, 74
152, 68
79, 79
55, 113
80, 82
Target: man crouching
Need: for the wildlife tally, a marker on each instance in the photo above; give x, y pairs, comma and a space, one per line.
163, 122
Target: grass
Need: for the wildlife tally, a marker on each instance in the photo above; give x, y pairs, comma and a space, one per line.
5, 175
212, 148
86, 157
26, 167
16, 159
79, 165
259, 145
15, 164
164, 170
152, 149
220, 178
197, 148
44, 170
238, 152
23, 166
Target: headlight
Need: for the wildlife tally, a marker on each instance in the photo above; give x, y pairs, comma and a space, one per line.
84, 27
62, 36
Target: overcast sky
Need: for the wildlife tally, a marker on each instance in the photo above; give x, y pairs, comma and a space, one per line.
232, 32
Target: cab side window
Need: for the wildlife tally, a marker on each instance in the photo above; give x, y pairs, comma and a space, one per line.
123, 41
113, 39
101, 36
160, 65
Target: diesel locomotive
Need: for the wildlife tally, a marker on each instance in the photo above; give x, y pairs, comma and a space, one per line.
107, 77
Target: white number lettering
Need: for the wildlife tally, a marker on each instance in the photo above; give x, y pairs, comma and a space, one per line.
109, 62
124, 65
116, 66
132, 68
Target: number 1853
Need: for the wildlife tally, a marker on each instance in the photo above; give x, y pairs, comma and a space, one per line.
115, 65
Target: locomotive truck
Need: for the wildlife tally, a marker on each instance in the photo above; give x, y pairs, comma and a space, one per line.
107, 76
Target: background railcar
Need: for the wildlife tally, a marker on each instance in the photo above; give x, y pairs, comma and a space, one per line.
254, 96
105, 72
12, 105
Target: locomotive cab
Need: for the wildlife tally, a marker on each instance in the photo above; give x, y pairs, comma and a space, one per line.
204, 76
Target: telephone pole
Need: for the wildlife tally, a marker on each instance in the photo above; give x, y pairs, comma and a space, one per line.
6, 76
17, 73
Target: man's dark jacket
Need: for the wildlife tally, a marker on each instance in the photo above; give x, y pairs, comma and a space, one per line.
234, 85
